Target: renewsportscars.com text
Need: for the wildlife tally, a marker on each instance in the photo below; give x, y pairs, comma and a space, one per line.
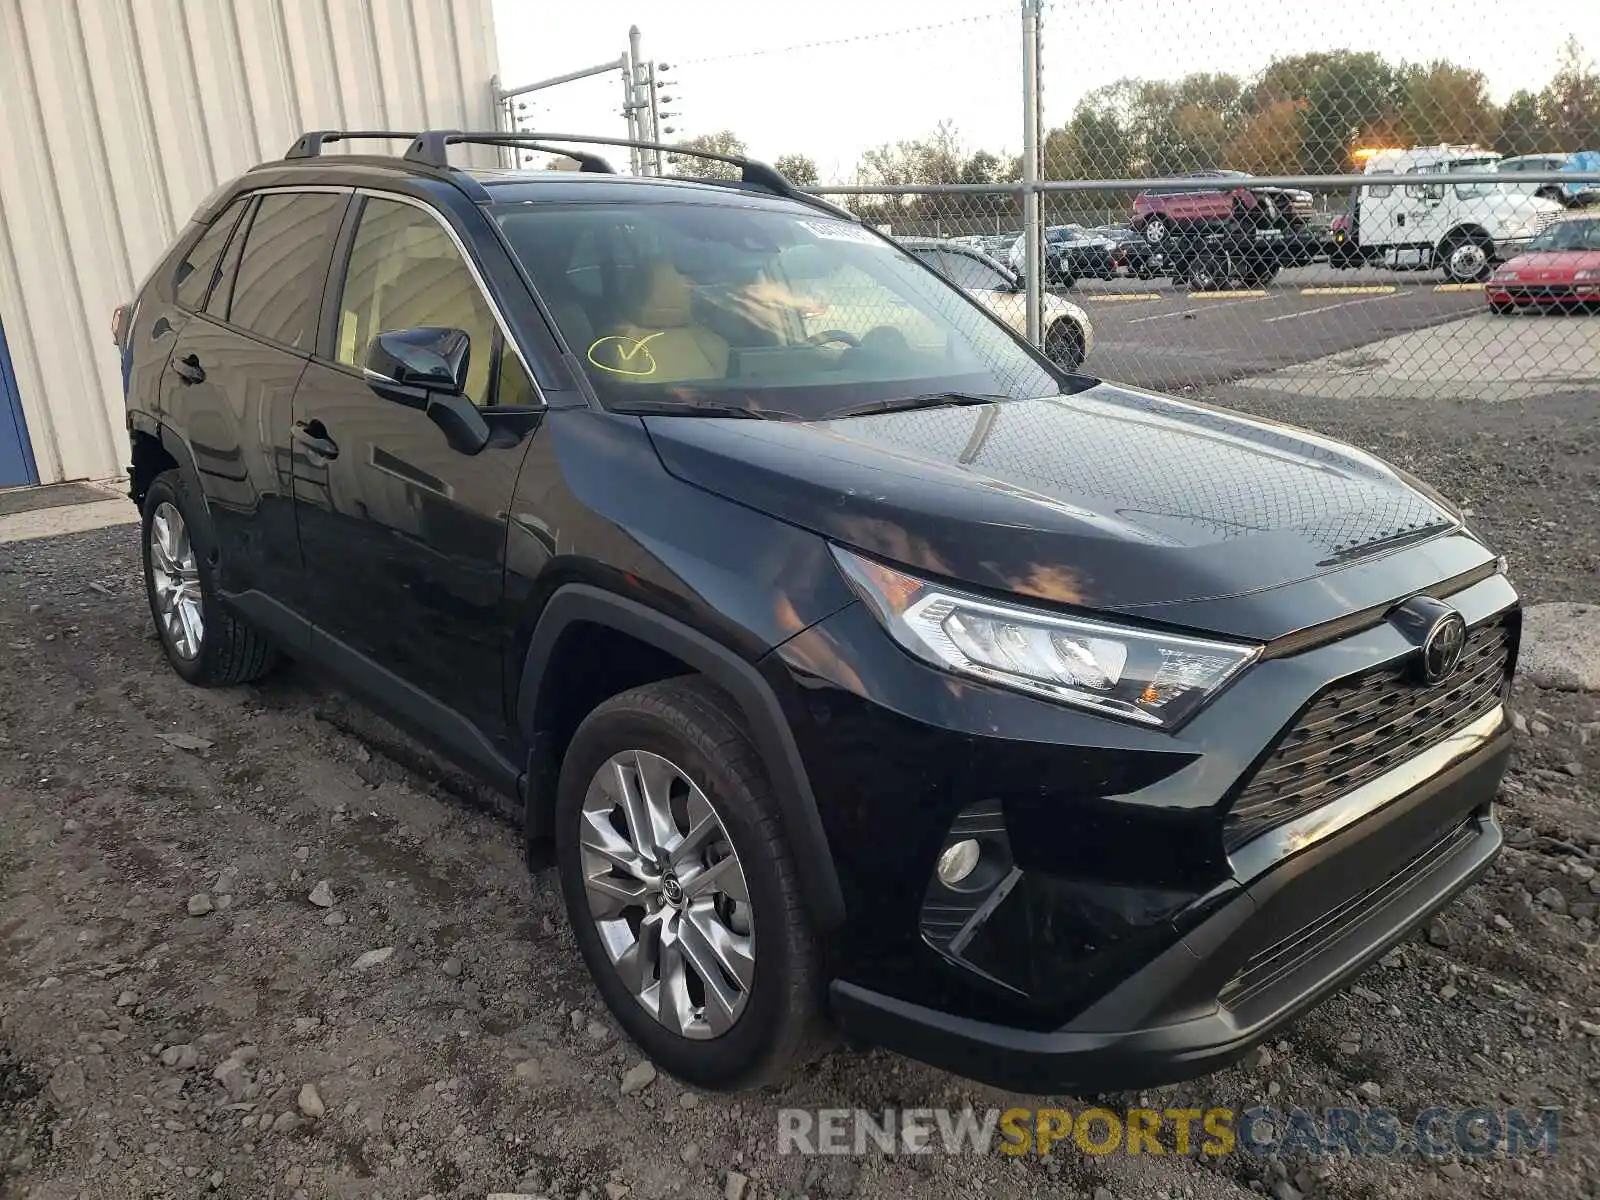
1364, 1132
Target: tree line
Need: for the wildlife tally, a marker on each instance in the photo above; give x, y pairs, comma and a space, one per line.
1302, 115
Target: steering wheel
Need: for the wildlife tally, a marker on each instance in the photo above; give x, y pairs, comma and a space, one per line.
823, 337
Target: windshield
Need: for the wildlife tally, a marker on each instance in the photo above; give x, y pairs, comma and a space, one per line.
1474, 166
1569, 235
776, 313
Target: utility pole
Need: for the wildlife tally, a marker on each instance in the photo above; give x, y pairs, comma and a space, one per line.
1033, 260
635, 110
647, 162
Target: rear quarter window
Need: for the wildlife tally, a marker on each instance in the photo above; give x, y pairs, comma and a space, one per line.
198, 270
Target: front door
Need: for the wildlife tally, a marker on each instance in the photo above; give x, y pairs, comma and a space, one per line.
403, 537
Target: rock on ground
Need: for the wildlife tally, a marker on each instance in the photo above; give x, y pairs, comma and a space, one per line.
1561, 646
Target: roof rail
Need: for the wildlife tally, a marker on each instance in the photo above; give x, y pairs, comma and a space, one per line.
310, 143
430, 149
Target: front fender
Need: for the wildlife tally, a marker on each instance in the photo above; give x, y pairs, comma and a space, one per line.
583, 603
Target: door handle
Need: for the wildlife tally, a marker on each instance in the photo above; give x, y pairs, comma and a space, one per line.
188, 369
313, 435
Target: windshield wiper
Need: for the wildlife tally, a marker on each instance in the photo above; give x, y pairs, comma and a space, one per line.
907, 403
672, 408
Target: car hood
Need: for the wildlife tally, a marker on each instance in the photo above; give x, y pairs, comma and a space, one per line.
1515, 206
1108, 498
1556, 260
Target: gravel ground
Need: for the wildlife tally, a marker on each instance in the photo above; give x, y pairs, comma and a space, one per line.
256, 943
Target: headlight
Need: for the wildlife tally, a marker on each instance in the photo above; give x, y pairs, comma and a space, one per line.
1503, 276
1586, 277
1152, 678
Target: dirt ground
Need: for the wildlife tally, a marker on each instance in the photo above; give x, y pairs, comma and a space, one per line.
169, 988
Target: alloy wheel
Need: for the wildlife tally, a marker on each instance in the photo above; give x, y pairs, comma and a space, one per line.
175, 582
667, 894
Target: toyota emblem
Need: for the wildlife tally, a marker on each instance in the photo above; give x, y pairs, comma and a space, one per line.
1437, 631
1441, 652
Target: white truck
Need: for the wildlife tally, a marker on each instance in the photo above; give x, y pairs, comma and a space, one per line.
1461, 228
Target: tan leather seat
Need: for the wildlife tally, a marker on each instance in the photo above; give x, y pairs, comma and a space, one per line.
663, 325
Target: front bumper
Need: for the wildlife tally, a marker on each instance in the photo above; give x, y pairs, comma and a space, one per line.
1296, 933
1515, 292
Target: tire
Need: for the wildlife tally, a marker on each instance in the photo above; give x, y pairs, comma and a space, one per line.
1259, 276
1465, 258
1063, 344
206, 644
1156, 232
1212, 271
693, 728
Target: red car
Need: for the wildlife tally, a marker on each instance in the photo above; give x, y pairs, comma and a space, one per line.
1560, 266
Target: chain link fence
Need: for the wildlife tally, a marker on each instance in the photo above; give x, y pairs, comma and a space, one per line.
1354, 201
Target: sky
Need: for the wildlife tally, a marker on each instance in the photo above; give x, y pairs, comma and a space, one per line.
832, 78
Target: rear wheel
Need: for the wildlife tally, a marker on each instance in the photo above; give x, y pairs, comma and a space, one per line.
1156, 231
681, 889
1063, 344
205, 643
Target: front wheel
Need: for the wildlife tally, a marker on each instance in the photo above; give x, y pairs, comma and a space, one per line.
1466, 259
681, 889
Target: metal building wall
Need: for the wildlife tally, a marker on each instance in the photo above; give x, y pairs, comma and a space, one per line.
117, 117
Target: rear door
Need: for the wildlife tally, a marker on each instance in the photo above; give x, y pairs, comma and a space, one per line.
403, 536
229, 384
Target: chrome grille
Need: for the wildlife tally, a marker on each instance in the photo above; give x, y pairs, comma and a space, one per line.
1361, 727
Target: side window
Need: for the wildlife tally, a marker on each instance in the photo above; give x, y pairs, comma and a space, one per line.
405, 272
278, 289
228, 268
199, 267
1425, 191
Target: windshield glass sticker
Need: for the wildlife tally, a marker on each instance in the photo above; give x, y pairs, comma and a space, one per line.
630, 355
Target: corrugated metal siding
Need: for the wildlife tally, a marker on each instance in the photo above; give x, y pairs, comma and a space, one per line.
120, 116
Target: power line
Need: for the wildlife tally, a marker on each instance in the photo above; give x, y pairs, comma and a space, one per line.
863, 37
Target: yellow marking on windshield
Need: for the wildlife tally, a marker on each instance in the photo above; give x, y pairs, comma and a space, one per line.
628, 349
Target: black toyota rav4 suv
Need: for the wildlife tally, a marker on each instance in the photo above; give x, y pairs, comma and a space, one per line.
859, 669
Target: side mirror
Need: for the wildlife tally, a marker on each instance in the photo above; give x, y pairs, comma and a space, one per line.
426, 368
409, 365
460, 421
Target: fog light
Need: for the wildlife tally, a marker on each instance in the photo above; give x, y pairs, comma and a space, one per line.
958, 861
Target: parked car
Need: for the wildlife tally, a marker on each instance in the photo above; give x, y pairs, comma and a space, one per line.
857, 666
999, 245
1130, 254
1070, 253
1067, 335
1572, 195
1560, 267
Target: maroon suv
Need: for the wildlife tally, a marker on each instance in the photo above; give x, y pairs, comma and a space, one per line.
1222, 201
